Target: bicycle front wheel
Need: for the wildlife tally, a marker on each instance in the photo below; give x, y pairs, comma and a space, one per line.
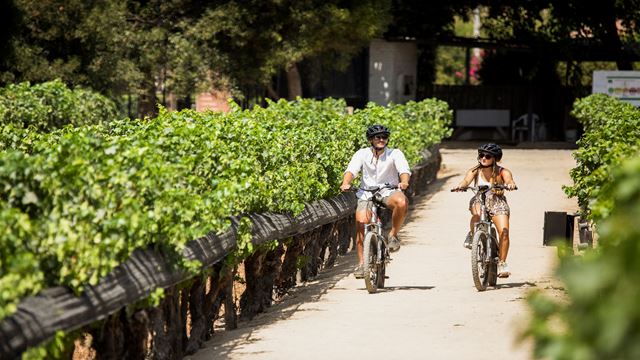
370, 262
479, 262
382, 268
493, 265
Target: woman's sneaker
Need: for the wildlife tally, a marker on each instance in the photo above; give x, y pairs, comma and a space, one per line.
358, 272
503, 270
468, 240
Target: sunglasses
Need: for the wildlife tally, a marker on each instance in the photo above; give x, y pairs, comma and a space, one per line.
486, 156
381, 137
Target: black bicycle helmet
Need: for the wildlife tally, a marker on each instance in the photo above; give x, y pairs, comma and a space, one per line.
374, 130
491, 148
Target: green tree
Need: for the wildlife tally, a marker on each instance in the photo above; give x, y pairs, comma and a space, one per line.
150, 48
258, 38
114, 47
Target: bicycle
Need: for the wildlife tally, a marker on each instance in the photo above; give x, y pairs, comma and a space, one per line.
376, 249
485, 244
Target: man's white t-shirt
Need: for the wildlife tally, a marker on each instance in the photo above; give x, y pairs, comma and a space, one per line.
378, 172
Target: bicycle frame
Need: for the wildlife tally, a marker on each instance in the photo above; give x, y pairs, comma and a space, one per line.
375, 226
485, 246
485, 223
376, 252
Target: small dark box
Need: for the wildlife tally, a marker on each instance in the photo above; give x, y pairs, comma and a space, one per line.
557, 224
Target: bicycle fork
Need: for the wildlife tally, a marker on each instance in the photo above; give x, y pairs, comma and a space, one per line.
376, 226
485, 226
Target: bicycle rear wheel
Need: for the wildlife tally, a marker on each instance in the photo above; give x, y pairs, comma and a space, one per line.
479, 263
370, 259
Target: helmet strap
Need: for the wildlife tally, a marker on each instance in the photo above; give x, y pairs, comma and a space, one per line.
377, 151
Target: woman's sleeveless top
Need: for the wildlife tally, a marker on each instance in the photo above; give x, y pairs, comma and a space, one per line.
481, 181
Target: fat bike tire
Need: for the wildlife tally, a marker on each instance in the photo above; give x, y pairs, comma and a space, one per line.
382, 269
479, 264
370, 258
493, 266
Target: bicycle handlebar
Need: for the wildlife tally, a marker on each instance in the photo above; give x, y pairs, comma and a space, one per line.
374, 189
378, 188
484, 188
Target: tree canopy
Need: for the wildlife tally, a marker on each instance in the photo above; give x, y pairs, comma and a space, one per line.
146, 48
149, 49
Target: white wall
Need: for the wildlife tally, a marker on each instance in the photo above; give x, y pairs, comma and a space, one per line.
392, 71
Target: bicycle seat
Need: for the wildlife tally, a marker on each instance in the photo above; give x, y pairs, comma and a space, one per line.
377, 198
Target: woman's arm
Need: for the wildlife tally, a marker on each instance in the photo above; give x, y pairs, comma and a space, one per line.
468, 178
507, 176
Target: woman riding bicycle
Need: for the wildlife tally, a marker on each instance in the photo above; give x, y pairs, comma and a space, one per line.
380, 166
488, 172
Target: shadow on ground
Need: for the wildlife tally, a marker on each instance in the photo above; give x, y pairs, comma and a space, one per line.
398, 288
224, 342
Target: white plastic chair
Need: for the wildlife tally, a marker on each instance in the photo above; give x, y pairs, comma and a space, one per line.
520, 126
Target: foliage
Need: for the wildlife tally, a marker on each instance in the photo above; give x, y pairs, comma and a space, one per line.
601, 319
52, 105
450, 61
527, 23
581, 73
84, 198
28, 110
613, 24
125, 52
611, 134
61, 346
150, 49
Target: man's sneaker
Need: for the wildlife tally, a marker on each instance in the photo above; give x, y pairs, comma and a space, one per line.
394, 243
468, 240
503, 270
358, 272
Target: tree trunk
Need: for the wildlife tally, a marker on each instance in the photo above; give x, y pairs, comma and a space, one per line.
426, 71
294, 83
261, 269
198, 319
148, 100
612, 39
272, 93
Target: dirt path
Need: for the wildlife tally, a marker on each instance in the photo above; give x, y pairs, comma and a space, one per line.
430, 308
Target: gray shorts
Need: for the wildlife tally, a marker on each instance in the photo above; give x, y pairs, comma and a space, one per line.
368, 204
496, 204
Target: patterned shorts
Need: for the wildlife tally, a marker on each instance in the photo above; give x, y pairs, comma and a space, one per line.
496, 204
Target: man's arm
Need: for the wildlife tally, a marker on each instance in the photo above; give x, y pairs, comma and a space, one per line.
403, 169
346, 181
404, 181
352, 171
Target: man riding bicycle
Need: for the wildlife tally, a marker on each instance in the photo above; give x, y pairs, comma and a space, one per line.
380, 166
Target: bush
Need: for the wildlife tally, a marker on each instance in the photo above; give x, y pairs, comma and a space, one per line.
612, 134
85, 197
601, 319
41, 108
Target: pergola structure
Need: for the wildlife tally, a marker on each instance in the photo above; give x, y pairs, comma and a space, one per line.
578, 49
